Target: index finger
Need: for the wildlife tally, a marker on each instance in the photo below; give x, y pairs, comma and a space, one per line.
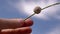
14, 23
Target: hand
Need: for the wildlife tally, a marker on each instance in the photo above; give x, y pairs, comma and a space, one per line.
15, 26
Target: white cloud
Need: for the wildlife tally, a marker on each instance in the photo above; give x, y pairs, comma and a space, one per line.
28, 7
55, 30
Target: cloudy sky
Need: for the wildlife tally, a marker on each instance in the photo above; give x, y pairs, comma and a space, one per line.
47, 22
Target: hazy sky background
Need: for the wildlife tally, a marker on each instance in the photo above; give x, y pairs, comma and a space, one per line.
47, 22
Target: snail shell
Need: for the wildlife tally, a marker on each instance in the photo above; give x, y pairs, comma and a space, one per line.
37, 10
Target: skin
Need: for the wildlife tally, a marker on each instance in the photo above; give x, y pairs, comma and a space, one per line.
15, 26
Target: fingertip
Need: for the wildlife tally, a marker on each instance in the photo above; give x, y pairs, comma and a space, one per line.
29, 22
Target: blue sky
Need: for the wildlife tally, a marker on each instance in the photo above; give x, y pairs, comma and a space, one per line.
47, 22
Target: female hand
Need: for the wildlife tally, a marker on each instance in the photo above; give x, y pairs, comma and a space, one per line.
15, 26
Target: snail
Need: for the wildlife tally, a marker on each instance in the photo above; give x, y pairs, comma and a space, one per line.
37, 10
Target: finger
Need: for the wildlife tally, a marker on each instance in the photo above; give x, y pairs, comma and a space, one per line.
24, 30
14, 23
